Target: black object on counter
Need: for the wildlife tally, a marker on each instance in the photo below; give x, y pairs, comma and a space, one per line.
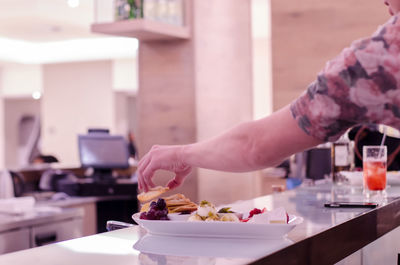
351, 205
115, 225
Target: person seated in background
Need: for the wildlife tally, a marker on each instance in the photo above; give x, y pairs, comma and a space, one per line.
43, 159
131, 145
130, 172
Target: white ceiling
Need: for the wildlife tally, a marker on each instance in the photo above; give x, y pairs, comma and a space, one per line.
45, 20
28, 28
50, 31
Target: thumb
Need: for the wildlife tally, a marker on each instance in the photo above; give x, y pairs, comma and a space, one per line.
179, 178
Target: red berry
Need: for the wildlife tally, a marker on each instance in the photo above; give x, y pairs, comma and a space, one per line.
254, 211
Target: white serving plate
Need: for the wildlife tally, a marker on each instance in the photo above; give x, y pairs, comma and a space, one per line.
209, 247
218, 229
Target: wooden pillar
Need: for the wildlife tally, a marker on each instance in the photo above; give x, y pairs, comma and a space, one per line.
223, 67
191, 90
166, 100
308, 33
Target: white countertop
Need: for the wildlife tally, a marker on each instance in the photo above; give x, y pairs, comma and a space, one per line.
118, 247
40, 216
321, 228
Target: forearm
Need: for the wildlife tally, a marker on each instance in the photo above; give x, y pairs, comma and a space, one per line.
251, 145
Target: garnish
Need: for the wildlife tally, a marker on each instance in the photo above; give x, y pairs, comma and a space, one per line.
225, 210
204, 203
256, 211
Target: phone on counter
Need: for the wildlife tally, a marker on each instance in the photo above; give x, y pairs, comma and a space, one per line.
351, 205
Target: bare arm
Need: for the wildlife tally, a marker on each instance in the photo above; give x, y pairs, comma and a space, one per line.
249, 146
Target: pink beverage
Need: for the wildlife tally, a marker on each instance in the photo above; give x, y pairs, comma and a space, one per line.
375, 175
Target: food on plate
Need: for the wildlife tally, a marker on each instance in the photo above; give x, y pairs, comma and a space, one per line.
229, 217
225, 210
195, 218
205, 212
256, 211
176, 203
152, 194
276, 216
252, 213
158, 211
206, 209
208, 213
179, 208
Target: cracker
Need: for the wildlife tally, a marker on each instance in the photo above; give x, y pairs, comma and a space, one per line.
145, 207
185, 208
176, 203
152, 194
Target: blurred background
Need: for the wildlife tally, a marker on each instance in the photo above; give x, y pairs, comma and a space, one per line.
88, 86
65, 69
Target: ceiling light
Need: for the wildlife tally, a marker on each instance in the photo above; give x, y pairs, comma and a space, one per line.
73, 3
36, 95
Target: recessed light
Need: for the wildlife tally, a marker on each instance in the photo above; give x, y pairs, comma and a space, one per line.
36, 95
73, 3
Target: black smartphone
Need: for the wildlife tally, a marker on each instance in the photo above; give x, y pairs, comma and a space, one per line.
351, 204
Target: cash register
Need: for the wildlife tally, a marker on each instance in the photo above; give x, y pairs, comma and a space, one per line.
102, 153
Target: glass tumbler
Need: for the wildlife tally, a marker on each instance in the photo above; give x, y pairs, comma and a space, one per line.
374, 170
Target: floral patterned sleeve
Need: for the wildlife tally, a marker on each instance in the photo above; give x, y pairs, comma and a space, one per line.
361, 85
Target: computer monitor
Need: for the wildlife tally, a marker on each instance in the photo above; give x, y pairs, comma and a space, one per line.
103, 152
98, 130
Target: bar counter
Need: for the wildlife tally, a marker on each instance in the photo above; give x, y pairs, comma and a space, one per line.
326, 236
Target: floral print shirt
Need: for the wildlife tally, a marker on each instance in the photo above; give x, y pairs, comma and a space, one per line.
361, 85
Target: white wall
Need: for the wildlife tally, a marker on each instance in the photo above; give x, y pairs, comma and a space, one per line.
262, 63
76, 96
2, 147
21, 79
125, 75
81, 81
121, 119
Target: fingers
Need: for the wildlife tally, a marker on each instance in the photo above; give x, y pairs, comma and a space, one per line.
147, 175
144, 162
161, 158
179, 178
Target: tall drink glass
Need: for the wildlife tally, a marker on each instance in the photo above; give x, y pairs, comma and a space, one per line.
374, 170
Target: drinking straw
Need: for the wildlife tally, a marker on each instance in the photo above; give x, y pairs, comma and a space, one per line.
383, 141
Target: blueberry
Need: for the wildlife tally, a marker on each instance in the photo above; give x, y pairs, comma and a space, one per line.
161, 204
151, 214
165, 212
143, 216
158, 215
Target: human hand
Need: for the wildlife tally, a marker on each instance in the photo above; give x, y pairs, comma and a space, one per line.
162, 157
